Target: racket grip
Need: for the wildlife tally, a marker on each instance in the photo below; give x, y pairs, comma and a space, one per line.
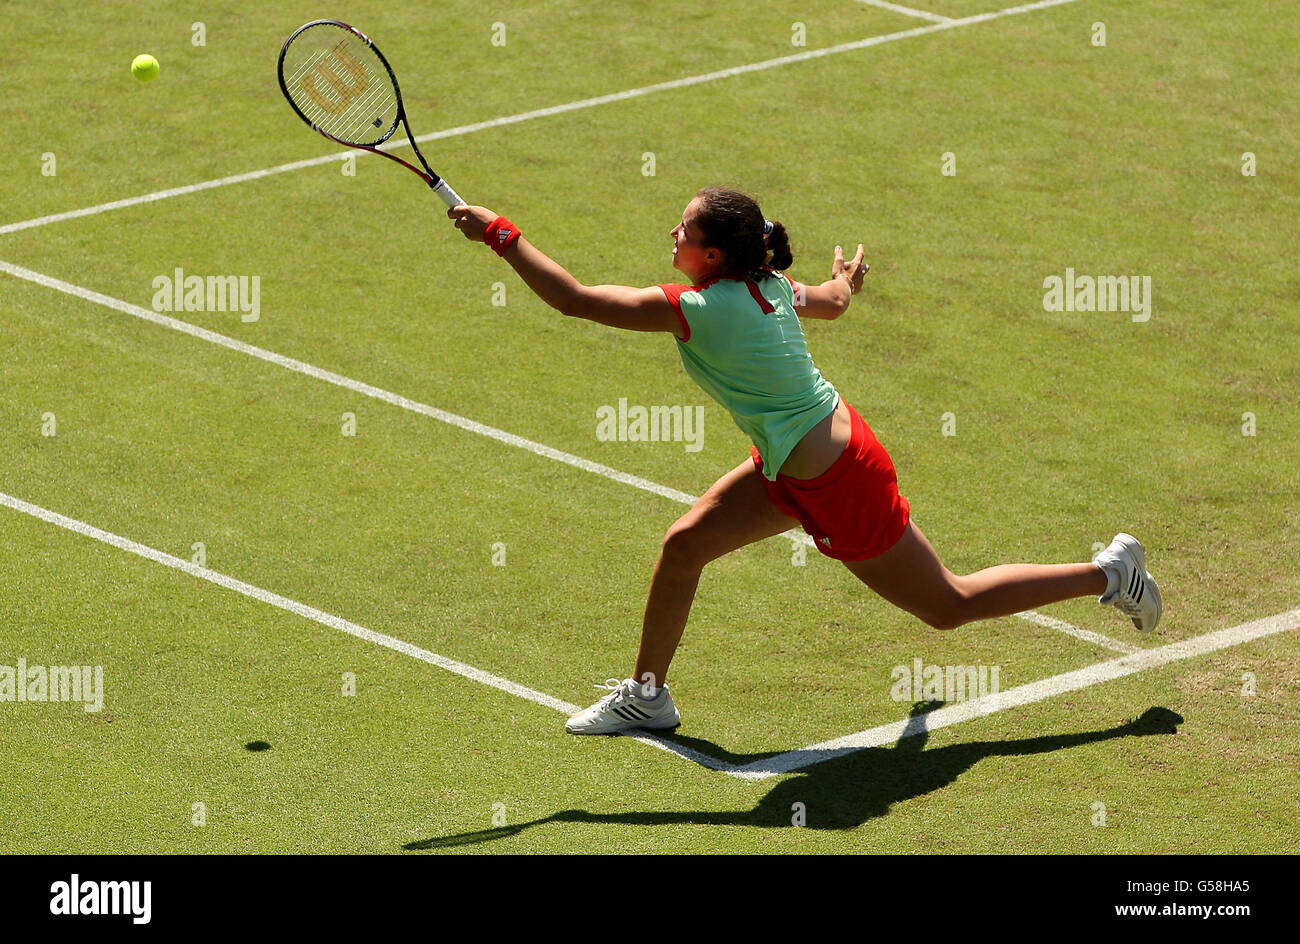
449, 196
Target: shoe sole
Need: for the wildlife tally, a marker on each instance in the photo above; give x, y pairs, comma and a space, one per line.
1154, 590
657, 725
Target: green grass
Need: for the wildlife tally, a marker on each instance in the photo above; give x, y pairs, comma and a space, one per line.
1115, 160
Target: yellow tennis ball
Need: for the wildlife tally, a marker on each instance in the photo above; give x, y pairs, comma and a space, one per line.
144, 67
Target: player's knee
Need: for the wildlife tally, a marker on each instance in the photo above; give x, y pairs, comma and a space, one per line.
947, 610
682, 548
941, 619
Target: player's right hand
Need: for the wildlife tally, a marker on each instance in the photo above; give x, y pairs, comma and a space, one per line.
471, 220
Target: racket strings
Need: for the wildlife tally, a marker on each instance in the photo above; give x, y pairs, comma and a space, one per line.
340, 85
377, 101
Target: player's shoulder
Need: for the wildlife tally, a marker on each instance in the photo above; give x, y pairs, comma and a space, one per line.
674, 290
699, 295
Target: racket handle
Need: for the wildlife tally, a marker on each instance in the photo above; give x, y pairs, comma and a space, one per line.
449, 196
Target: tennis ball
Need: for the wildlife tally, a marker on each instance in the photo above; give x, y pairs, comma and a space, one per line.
144, 67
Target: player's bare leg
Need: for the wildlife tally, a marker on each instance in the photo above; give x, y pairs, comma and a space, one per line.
734, 512
911, 576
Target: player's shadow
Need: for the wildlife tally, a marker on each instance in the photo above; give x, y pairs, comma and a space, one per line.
845, 790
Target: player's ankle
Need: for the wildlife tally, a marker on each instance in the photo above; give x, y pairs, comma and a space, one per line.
1112, 578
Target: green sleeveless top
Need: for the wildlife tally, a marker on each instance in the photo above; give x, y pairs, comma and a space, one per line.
742, 343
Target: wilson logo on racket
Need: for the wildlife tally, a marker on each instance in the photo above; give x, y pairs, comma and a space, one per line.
346, 89
340, 84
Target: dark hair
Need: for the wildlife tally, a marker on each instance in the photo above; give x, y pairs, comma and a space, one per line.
732, 222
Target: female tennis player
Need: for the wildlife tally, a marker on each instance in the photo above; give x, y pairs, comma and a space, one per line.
813, 460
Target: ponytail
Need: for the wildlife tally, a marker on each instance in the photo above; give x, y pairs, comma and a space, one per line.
778, 247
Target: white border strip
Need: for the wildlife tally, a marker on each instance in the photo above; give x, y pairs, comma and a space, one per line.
907, 11
791, 760
333, 622
510, 439
1022, 695
347, 383
173, 192
756, 770
541, 113
405, 403
1087, 635
284, 603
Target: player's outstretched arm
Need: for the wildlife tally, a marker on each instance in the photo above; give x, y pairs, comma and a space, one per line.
830, 299
619, 306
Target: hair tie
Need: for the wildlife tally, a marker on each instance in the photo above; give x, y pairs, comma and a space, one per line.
767, 227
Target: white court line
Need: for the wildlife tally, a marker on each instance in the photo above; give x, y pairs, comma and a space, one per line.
1022, 695
405, 403
908, 11
334, 622
1087, 635
540, 113
346, 383
756, 770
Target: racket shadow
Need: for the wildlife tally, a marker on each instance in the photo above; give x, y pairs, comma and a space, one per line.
843, 792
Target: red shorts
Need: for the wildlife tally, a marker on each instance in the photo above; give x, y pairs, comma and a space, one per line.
853, 510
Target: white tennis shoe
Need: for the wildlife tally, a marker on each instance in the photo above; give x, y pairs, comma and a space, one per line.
624, 708
1136, 595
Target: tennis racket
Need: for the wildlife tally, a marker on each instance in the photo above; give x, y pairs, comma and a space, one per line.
339, 82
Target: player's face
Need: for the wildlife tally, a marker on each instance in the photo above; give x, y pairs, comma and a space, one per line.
689, 255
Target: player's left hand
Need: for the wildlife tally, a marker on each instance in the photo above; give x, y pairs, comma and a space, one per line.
853, 271
471, 220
